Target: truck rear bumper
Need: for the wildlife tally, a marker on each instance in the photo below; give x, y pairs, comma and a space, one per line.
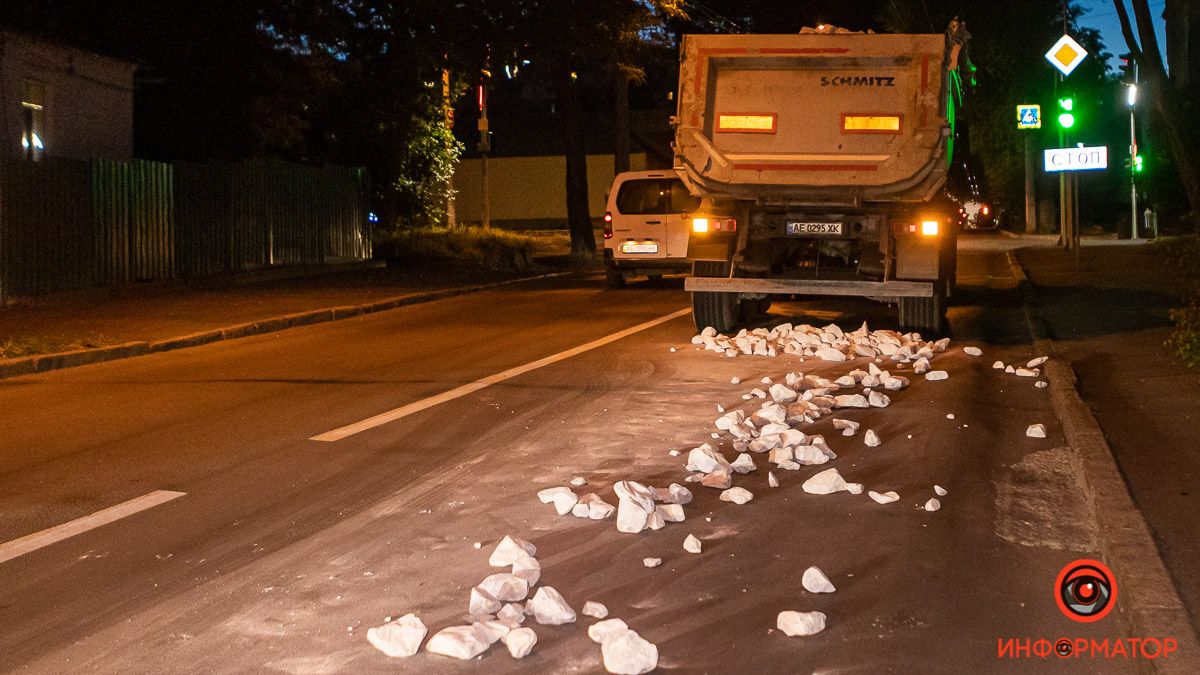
870, 289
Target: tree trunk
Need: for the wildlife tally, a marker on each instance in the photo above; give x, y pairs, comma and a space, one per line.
579, 220
621, 121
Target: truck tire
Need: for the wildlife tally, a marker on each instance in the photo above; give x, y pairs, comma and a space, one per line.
924, 314
613, 278
719, 310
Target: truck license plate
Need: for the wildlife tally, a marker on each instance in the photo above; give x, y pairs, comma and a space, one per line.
635, 247
814, 228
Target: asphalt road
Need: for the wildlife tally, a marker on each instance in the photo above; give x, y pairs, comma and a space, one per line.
283, 550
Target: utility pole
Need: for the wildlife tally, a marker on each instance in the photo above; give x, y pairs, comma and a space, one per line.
1031, 224
1131, 73
485, 147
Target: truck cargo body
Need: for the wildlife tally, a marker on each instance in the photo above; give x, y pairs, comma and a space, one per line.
834, 149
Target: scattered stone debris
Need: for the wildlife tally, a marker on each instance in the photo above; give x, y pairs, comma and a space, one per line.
999, 365
829, 343
772, 480
505, 588
815, 581
973, 351
743, 464
1036, 431
939, 490
692, 544
601, 630
651, 562
936, 375
1026, 372
847, 427
401, 637
871, 439
827, 482
627, 653
800, 623
513, 612
1034, 363
1041, 384
520, 641
884, 498
578, 481
932, 505
509, 550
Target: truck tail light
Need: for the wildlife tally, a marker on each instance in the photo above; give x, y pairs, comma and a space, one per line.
702, 225
608, 231
699, 224
929, 228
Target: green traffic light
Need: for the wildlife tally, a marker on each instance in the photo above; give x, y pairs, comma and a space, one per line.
1067, 104
1066, 120
1138, 167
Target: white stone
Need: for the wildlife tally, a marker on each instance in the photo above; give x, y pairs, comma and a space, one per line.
1009, 369
743, 464
512, 612
757, 393
717, 479
482, 602
878, 400
765, 380
949, 416
772, 480
564, 502
933, 505
936, 375
460, 642
493, 629
854, 488
598, 509
885, 498
815, 581
846, 426
627, 653
594, 609
780, 455
631, 518
578, 481
939, 490
637, 493
1036, 431
830, 354
826, 482
691, 544
809, 455
851, 401
520, 642
709, 331
871, 439
789, 465
845, 381
549, 608
580, 510
800, 623
705, 460
547, 496
527, 568
1041, 384
999, 365
670, 513
651, 562
678, 494
973, 351
509, 549
505, 587
1037, 362
774, 428
602, 630
1025, 372
737, 495
783, 394
401, 637
735, 380
921, 365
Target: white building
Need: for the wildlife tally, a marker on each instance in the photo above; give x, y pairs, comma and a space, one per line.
58, 101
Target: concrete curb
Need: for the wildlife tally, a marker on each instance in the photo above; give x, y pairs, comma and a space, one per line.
39, 363
1147, 596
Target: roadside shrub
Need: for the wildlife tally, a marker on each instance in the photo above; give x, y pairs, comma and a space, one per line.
1183, 255
463, 246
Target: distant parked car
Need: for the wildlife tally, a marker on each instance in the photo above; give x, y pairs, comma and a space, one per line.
651, 223
977, 215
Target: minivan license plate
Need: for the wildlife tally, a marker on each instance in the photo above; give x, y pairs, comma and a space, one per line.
814, 228
635, 247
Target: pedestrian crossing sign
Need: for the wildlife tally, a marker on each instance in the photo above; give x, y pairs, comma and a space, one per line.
1029, 116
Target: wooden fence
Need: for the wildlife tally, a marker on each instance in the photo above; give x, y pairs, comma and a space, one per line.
69, 225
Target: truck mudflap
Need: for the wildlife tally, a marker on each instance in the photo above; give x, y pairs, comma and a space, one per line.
758, 287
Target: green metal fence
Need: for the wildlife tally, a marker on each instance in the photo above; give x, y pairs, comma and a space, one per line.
69, 225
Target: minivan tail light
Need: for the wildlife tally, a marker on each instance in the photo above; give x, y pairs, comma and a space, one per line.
608, 231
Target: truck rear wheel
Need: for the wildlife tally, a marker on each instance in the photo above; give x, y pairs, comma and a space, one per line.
614, 278
719, 310
924, 314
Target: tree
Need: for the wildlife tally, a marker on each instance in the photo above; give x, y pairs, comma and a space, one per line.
1165, 98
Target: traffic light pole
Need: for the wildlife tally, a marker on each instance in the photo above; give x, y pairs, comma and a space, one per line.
1133, 212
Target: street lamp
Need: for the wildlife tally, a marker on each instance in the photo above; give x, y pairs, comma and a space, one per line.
1131, 93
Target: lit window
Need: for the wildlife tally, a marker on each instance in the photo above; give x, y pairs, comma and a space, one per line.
33, 120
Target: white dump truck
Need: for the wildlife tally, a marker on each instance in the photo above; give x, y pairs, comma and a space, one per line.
834, 148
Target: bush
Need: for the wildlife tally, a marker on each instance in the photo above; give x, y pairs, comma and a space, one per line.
466, 246
1183, 255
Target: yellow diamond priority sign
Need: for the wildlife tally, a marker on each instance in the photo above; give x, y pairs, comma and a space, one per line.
1066, 54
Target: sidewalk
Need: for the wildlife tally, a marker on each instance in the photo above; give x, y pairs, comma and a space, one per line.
211, 309
1107, 309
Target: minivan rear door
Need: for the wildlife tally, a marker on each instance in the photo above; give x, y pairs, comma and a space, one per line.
650, 221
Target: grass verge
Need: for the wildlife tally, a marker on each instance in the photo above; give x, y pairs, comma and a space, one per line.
492, 249
16, 347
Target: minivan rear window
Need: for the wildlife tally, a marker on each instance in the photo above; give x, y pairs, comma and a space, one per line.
655, 196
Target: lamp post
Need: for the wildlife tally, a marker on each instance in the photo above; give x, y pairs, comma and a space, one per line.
1129, 66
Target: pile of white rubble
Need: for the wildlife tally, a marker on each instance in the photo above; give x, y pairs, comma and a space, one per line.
495, 608
498, 607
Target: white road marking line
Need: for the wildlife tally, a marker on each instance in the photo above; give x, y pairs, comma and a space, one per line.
53, 535
458, 392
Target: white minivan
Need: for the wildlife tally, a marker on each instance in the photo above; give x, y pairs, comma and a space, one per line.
650, 223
